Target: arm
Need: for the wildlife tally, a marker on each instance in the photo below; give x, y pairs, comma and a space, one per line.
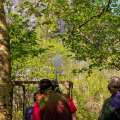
74, 117
71, 105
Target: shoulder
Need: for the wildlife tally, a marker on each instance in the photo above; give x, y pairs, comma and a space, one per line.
107, 102
72, 105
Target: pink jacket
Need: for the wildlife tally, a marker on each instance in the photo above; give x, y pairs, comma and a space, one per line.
36, 111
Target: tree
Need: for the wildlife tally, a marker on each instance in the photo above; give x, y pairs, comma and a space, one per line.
5, 69
93, 33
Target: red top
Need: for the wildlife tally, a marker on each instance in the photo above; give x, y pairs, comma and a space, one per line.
71, 105
36, 111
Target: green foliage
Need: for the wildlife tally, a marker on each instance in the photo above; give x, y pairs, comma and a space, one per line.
91, 33
90, 42
92, 92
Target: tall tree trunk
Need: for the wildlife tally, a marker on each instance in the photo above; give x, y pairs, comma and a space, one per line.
5, 69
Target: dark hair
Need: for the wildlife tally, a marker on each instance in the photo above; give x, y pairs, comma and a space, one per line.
44, 85
114, 84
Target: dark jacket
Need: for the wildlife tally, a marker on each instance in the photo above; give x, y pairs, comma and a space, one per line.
111, 108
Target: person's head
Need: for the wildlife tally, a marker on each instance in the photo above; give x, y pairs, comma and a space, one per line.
44, 85
114, 85
37, 96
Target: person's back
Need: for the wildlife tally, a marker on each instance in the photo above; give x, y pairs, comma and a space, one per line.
115, 104
108, 112
56, 108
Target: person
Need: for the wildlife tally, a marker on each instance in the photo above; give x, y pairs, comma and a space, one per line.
58, 106
40, 98
111, 106
70, 101
72, 106
51, 104
33, 112
36, 106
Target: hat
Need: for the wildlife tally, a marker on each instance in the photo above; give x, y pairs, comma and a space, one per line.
44, 85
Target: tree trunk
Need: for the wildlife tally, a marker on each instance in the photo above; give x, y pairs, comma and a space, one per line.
5, 69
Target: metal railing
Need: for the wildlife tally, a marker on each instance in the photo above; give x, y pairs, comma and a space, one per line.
24, 86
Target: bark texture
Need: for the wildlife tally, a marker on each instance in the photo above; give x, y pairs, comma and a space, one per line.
5, 69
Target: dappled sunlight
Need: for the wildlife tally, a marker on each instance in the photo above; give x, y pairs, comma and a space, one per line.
4, 63
1, 37
3, 26
2, 117
5, 83
77, 40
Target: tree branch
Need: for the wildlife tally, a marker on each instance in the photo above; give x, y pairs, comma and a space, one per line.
116, 66
98, 15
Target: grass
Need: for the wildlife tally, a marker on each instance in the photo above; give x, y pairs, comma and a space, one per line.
90, 93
